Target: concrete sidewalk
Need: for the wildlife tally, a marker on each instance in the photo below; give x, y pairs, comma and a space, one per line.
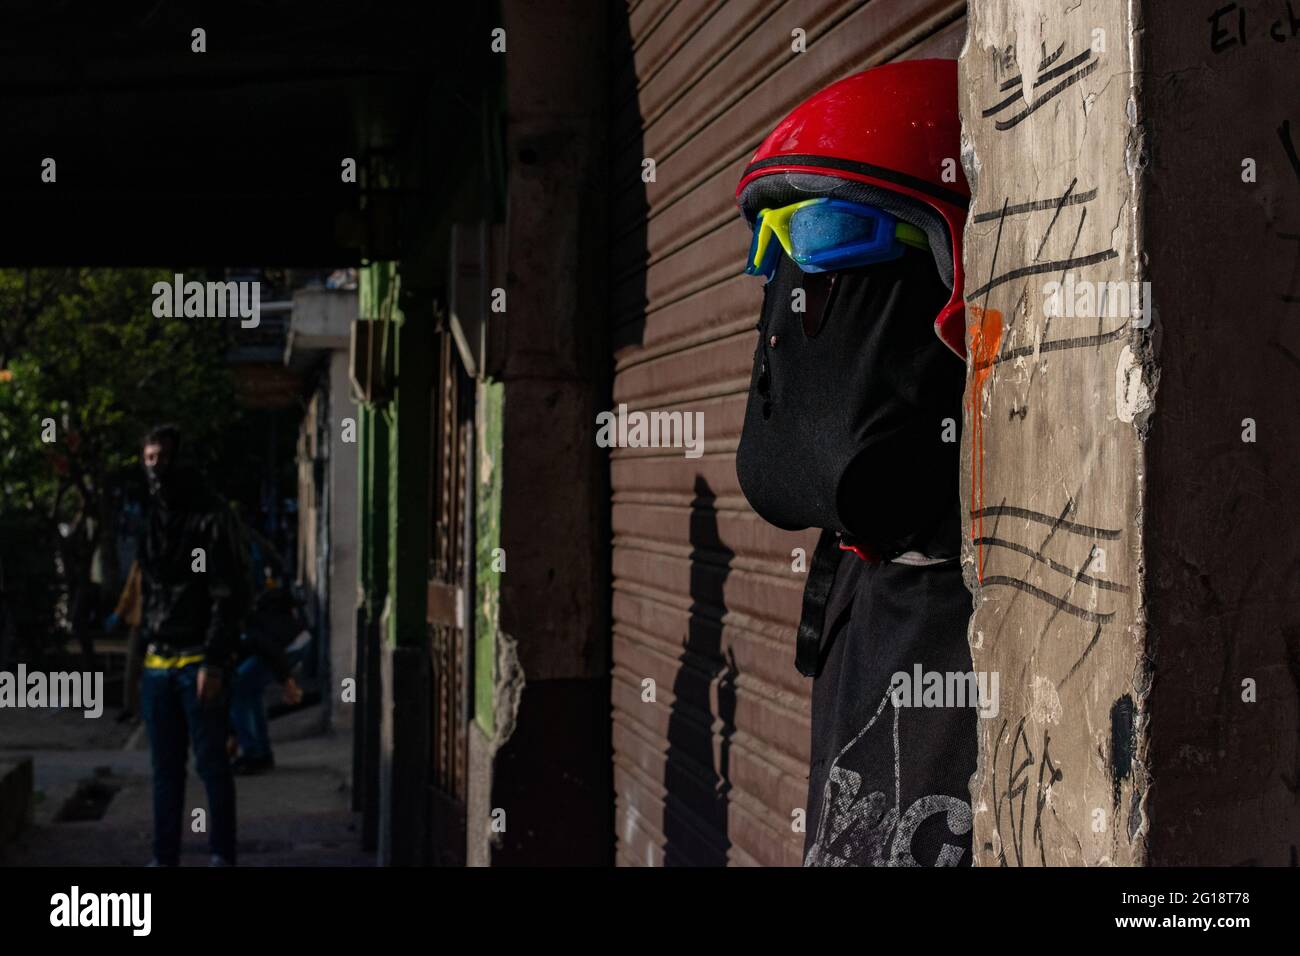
296, 815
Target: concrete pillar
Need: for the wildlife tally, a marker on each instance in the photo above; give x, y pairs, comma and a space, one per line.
371, 625
404, 749
343, 538
1133, 559
539, 750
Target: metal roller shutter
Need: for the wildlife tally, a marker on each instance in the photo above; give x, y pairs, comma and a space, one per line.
704, 599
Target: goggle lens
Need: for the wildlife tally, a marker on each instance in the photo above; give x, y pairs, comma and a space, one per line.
823, 235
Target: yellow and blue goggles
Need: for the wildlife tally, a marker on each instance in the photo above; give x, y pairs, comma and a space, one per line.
824, 235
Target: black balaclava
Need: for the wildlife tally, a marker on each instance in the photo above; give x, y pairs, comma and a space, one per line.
159, 479
171, 485
848, 407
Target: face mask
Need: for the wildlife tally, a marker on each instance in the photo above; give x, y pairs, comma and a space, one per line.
160, 480
844, 426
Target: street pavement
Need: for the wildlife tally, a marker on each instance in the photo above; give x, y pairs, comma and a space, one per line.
296, 815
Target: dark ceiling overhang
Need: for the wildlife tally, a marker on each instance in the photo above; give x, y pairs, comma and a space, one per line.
166, 156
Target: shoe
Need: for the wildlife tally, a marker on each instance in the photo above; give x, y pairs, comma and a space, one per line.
250, 766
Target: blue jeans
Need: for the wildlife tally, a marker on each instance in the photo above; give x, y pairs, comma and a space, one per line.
170, 704
248, 708
248, 703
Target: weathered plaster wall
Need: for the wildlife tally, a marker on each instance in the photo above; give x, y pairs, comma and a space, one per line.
1223, 527
1053, 459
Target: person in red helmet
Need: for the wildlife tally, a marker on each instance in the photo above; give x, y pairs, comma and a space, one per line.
857, 202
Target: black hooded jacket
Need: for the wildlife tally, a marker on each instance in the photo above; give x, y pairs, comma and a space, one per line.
851, 427
270, 628
194, 589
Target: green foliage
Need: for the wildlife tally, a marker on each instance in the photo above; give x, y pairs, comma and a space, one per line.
96, 361
84, 359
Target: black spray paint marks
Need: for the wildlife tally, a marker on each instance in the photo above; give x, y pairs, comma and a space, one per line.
1288, 146
1123, 741
1134, 816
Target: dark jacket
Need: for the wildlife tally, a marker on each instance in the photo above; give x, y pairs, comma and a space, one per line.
188, 610
271, 627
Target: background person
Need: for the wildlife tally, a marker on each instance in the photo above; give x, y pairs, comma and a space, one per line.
263, 657
193, 591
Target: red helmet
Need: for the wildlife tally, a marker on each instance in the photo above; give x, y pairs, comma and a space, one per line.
885, 137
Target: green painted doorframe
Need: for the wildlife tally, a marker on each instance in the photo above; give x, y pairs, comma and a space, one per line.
395, 505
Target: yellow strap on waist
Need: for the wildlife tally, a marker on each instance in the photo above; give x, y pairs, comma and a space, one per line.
158, 662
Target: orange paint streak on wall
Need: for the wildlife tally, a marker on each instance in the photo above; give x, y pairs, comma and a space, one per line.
984, 334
